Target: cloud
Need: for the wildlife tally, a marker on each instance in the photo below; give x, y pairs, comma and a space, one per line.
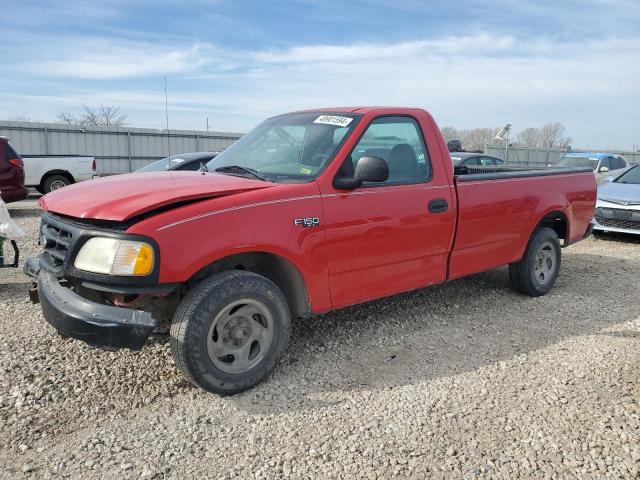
466, 81
108, 61
484, 44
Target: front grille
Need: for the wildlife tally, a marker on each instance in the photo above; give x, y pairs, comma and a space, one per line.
618, 223
56, 241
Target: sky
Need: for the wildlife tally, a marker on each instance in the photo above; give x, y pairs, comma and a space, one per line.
470, 63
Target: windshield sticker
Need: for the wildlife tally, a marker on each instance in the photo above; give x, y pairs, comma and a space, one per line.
305, 171
333, 120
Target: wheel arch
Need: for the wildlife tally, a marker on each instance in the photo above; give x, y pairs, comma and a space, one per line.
57, 171
276, 268
557, 220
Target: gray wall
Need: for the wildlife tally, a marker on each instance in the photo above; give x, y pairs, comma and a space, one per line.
543, 156
117, 150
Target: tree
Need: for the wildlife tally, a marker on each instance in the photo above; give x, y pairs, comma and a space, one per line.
529, 137
449, 133
552, 135
471, 139
68, 118
477, 138
103, 116
18, 117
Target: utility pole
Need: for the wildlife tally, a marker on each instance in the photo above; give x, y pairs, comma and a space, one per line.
207, 124
166, 111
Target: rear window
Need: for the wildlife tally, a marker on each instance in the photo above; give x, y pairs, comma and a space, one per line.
9, 152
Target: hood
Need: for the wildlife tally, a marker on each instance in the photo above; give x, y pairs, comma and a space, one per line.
621, 193
122, 197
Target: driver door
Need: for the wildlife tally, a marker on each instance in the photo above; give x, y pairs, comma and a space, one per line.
382, 238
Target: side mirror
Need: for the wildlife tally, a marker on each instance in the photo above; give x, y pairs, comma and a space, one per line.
368, 169
371, 169
603, 169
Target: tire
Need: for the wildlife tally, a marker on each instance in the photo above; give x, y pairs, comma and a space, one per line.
538, 270
39, 190
230, 331
54, 182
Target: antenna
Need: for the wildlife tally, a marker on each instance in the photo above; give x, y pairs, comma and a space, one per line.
166, 111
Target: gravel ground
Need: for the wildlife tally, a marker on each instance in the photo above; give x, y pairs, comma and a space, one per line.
461, 380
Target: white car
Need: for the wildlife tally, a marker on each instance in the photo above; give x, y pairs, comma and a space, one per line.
47, 173
602, 164
618, 204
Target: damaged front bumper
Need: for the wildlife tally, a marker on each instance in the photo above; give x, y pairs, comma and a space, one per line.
97, 324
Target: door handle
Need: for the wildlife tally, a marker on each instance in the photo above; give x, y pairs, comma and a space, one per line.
438, 205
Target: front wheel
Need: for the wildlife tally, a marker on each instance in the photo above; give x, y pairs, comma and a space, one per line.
230, 331
538, 270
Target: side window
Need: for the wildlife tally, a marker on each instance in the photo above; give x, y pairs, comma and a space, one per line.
399, 142
191, 166
472, 161
487, 161
606, 162
497, 161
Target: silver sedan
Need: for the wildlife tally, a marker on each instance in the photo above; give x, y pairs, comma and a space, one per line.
618, 204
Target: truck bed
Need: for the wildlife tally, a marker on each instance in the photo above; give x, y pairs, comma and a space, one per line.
498, 208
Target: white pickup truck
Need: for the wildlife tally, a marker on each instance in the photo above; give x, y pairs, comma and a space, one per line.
50, 172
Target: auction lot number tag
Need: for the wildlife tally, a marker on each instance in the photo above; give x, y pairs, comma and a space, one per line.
333, 120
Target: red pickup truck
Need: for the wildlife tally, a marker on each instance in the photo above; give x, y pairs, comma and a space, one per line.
309, 212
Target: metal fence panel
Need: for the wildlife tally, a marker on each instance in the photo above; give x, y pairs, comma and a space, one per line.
539, 157
117, 150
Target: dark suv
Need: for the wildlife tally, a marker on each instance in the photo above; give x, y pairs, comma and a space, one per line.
12, 186
454, 145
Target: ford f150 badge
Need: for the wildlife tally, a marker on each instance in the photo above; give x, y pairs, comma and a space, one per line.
307, 222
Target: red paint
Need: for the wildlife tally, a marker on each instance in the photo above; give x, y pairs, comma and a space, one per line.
12, 186
371, 242
122, 197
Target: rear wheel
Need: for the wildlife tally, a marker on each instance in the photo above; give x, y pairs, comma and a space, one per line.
538, 270
230, 331
54, 182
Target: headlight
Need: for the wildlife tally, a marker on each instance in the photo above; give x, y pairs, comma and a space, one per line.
112, 256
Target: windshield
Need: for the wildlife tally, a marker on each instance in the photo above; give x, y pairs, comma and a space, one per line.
630, 176
292, 148
592, 163
164, 164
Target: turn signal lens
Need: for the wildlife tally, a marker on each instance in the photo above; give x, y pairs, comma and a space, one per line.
133, 258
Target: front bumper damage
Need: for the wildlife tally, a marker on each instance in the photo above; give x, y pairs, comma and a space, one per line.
97, 324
